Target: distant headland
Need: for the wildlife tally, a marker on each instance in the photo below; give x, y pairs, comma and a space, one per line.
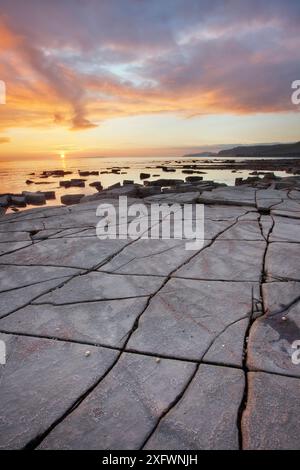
266, 151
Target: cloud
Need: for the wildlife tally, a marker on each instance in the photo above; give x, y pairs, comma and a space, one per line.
81, 123
87, 61
4, 140
45, 72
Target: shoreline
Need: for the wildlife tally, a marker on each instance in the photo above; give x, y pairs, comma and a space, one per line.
148, 176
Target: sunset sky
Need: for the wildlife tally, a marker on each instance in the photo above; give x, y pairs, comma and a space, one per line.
141, 77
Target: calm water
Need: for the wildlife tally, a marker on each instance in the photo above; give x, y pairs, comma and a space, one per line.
13, 174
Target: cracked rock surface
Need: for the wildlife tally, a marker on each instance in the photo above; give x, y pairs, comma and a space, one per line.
142, 344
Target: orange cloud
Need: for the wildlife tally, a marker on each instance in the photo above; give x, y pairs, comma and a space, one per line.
60, 74
4, 140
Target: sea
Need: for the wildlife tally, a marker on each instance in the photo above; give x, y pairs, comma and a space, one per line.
14, 173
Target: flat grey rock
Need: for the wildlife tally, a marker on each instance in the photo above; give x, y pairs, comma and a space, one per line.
44, 234
129, 190
40, 382
294, 195
286, 230
75, 233
108, 322
272, 335
277, 296
92, 205
155, 257
124, 408
271, 419
225, 212
228, 348
250, 215
267, 204
231, 260
282, 261
206, 416
214, 228
174, 198
14, 237
17, 298
79, 216
10, 247
285, 213
70, 304
72, 252
230, 195
14, 277
35, 213
288, 205
270, 193
102, 286
268, 198
267, 225
186, 317
86, 218
243, 230
22, 225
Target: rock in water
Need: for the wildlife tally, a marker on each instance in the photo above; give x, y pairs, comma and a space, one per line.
34, 198
69, 199
143, 176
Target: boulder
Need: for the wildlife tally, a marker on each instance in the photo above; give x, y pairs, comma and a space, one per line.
56, 173
270, 176
143, 176
34, 198
191, 179
88, 173
75, 182
16, 200
64, 184
168, 170
69, 199
164, 182
4, 200
127, 182
97, 185
49, 194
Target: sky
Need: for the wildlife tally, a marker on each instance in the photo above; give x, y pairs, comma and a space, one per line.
142, 78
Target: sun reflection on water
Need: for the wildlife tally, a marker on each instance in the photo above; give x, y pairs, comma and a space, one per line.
63, 160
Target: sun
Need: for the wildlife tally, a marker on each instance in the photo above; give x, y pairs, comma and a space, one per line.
62, 155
